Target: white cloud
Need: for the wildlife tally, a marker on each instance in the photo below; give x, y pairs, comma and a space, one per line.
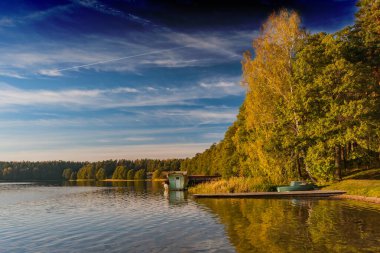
221, 84
50, 72
173, 63
124, 90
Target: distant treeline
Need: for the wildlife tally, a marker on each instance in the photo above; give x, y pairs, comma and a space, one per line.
57, 170
312, 107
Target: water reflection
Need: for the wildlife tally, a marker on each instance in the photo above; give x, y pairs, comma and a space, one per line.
177, 197
272, 225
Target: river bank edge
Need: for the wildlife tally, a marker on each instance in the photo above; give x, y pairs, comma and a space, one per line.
359, 198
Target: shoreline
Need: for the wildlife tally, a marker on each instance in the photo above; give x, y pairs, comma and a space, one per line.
373, 200
268, 195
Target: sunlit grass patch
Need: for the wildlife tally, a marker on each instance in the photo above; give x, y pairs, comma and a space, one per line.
367, 188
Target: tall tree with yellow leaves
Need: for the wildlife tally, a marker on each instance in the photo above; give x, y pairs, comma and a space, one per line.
272, 118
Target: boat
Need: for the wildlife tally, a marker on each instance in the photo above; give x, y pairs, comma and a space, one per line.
296, 186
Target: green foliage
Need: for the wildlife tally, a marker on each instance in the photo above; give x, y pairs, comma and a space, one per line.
320, 162
66, 174
157, 174
120, 173
140, 175
101, 174
368, 28
87, 172
131, 175
53, 170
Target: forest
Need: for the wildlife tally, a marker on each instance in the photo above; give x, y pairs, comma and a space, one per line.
312, 108
58, 170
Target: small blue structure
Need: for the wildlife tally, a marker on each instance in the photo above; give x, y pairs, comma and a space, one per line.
178, 180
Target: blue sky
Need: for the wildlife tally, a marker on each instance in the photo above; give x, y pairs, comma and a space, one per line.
93, 80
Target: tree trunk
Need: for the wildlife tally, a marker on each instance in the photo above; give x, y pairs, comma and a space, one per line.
344, 157
338, 162
307, 170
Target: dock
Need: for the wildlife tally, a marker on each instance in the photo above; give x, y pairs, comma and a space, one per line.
261, 195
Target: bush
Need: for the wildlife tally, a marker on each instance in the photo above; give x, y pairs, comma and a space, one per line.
101, 174
157, 174
234, 185
131, 175
140, 175
121, 172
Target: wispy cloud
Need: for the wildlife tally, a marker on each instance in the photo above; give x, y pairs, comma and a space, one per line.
11, 74
109, 53
35, 16
50, 72
57, 72
199, 116
116, 97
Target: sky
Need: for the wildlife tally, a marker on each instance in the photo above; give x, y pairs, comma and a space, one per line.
89, 80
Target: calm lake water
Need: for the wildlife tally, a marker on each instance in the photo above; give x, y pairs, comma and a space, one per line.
139, 217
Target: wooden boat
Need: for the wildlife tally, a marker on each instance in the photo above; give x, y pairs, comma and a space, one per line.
296, 186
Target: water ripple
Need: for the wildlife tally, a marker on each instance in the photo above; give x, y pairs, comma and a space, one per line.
109, 219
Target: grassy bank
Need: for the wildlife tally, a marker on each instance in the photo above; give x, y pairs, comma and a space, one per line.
233, 185
361, 183
366, 188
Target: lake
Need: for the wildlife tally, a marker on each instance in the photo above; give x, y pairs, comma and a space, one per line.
140, 217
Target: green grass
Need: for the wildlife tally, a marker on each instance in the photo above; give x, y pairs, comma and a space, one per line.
367, 188
366, 174
233, 185
361, 183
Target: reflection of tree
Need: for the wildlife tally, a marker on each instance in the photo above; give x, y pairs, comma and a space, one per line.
156, 187
270, 225
345, 229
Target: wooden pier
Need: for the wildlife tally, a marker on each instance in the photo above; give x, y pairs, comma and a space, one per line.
257, 195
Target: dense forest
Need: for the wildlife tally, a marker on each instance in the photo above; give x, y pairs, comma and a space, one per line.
312, 108
57, 170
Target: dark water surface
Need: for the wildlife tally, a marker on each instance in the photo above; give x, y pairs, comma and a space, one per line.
139, 217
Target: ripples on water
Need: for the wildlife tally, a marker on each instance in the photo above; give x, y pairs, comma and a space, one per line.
104, 219
141, 218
